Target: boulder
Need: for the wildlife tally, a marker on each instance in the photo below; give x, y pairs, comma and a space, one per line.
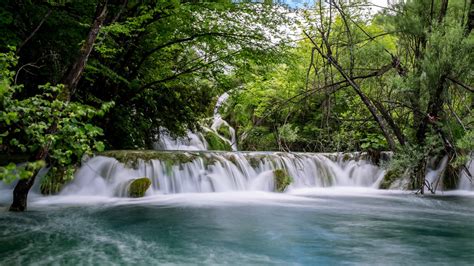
138, 187
282, 180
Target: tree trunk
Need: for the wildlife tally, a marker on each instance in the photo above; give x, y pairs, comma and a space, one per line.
443, 10
34, 31
75, 72
435, 107
386, 115
367, 102
20, 193
470, 19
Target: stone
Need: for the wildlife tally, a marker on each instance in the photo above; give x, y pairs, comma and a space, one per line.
138, 187
282, 180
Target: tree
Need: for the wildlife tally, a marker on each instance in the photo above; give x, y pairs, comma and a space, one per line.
55, 129
115, 61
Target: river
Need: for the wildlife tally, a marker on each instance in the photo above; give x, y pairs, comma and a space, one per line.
313, 226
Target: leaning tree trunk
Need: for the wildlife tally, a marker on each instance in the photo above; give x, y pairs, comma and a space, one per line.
75, 72
20, 193
70, 80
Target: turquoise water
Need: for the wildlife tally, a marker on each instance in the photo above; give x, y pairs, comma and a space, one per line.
318, 227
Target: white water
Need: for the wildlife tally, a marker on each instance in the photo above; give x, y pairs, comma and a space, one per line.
191, 142
224, 172
196, 141
466, 183
218, 122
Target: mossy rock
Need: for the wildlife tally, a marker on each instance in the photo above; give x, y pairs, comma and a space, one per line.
216, 143
138, 187
389, 177
451, 177
224, 131
346, 157
255, 160
282, 180
132, 158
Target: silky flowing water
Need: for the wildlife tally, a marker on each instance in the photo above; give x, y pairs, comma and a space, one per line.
306, 227
221, 208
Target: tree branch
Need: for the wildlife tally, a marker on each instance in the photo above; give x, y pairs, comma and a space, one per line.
34, 31
463, 85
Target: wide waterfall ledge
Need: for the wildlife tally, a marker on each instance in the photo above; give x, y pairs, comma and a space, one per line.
170, 172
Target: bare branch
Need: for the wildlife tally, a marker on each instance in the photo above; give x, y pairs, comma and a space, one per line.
463, 85
34, 31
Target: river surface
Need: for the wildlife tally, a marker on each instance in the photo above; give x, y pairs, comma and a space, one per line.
325, 226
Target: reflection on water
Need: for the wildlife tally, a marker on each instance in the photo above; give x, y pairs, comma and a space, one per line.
307, 227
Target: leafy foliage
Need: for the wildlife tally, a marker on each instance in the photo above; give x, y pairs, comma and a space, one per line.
30, 124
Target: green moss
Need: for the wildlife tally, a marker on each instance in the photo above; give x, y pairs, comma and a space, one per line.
389, 177
451, 177
282, 180
224, 131
55, 180
132, 158
216, 143
138, 187
347, 157
255, 160
259, 139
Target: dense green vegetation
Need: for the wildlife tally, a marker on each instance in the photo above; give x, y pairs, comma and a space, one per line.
396, 81
78, 77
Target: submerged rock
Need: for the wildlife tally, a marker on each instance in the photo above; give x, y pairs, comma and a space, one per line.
282, 180
138, 187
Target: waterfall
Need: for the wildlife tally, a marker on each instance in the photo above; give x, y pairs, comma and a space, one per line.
466, 182
191, 142
197, 141
219, 122
195, 172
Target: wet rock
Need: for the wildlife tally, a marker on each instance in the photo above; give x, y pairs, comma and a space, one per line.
138, 187
282, 180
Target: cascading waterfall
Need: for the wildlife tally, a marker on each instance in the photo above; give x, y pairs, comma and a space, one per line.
219, 122
185, 166
191, 142
194, 172
197, 141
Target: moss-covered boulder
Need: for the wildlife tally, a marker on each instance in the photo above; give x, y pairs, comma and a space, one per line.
138, 187
216, 143
388, 179
282, 180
